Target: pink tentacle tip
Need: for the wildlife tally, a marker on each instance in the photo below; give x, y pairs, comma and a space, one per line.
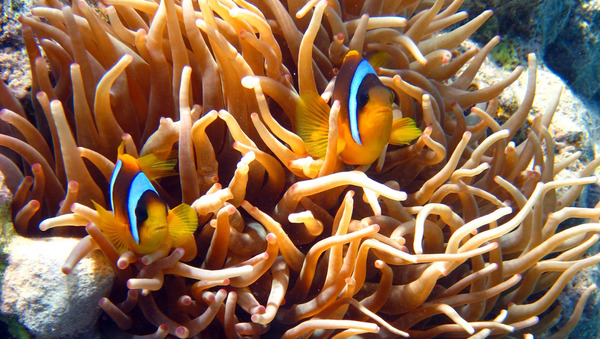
185, 300
226, 281
122, 264
34, 204
182, 332
271, 237
163, 330
66, 269
210, 298
447, 57
103, 301
340, 36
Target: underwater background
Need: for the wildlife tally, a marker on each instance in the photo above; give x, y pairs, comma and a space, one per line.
563, 35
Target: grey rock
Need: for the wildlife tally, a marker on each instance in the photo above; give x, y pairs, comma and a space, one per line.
564, 33
14, 64
47, 302
575, 51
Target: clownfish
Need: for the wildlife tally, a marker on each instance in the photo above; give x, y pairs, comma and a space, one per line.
141, 220
365, 122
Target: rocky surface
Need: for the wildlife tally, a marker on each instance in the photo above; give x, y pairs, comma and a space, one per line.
47, 302
575, 129
14, 64
564, 33
576, 51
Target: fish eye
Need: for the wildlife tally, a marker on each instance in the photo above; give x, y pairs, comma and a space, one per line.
141, 214
362, 97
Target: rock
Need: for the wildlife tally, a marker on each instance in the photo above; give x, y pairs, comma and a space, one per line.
14, 64
573, 123
573, 128
575, 52
47, 302
563, 33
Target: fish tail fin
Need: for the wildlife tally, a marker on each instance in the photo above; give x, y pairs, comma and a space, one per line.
404, 131
155, 167
114, 230
312, 122
182, 221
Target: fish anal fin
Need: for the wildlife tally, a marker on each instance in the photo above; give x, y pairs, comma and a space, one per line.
341, 144
182, 221
115, 231
404, 130
189, 246
312, 122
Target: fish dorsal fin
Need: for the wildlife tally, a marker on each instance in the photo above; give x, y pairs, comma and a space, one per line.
155, 168
114, 230
351, 54
182, 221
404, 130
121, 148
312, 121
379, 59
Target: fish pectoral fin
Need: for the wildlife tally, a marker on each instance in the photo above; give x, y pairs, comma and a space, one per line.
182, 221
312, 122
404, 130
115, 231
155, 167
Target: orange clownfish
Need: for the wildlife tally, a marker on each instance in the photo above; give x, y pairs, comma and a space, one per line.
141, 221
365, 122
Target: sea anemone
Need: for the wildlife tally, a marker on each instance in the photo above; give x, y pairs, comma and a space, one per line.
453, 234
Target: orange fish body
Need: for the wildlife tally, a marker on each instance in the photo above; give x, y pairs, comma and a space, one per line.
365, 121
141, 220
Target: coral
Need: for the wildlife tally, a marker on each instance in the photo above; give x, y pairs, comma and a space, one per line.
453, 234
